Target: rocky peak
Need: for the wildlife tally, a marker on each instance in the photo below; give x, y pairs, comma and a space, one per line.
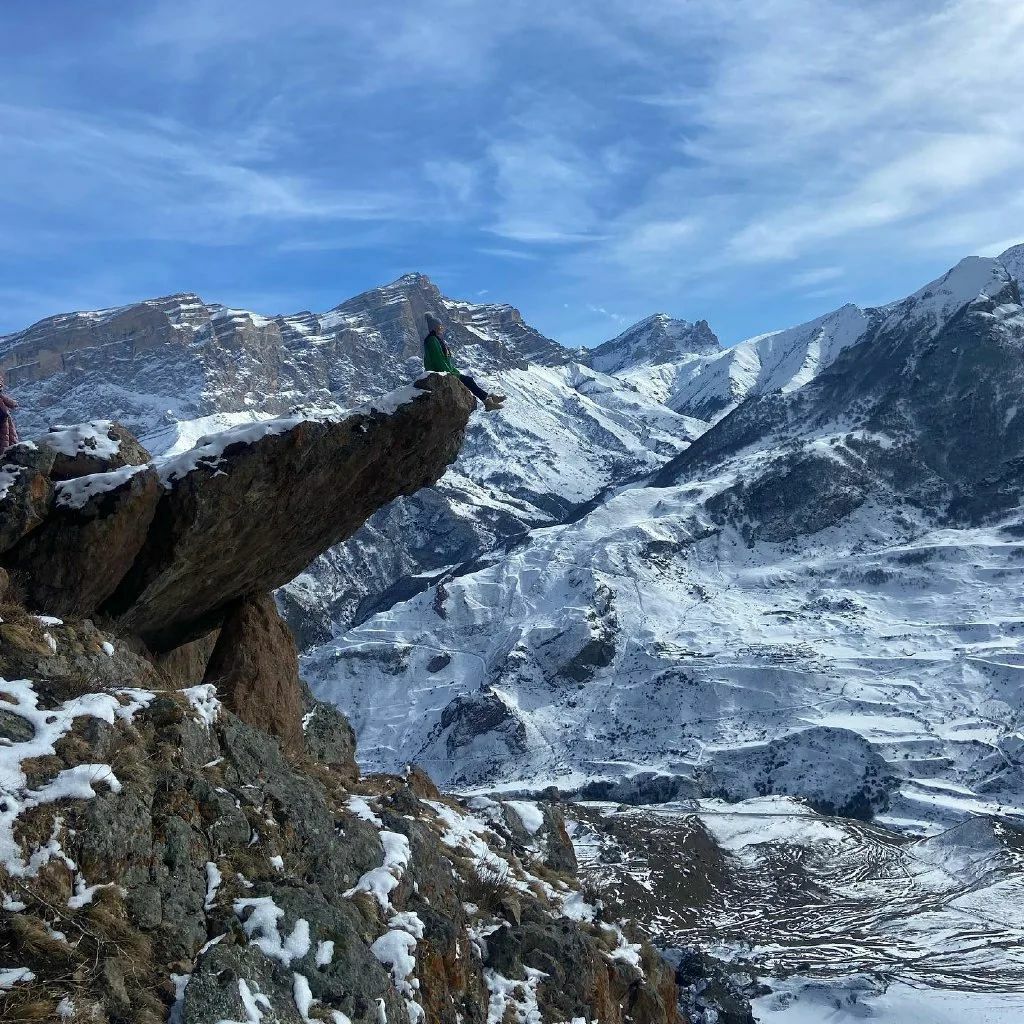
178, 358
656, 340
1013, 260
486, 336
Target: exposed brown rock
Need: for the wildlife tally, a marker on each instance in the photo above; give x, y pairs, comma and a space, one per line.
76, 559
251, 517
87, 457
186, 665
25, 492
255, 668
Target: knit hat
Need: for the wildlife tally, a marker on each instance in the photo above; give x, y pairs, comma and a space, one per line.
433, 320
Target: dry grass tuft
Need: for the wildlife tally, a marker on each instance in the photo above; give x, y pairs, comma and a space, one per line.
32, 940
490, 888
27, 1007
33, 827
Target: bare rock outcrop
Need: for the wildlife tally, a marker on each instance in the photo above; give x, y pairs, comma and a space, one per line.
26, 492
163, 860
95, 447
255, 668
95, 529
243, 515
170, 547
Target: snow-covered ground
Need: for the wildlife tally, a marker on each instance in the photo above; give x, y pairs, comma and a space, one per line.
841, 920
901, 639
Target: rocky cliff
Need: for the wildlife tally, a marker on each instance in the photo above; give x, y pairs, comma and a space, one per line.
184, 832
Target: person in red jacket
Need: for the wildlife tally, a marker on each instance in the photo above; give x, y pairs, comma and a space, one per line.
437, 356
8, 431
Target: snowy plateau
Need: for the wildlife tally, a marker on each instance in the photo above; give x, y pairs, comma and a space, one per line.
756, 610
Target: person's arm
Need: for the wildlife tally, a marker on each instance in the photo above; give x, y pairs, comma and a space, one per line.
7, 401
452, 368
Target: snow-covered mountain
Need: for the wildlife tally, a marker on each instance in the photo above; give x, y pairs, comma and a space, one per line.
683, 365
176, 368
777, 584
654, 341
811, 615
819, 597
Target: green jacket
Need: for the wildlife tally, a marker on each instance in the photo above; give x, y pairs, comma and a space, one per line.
436, 356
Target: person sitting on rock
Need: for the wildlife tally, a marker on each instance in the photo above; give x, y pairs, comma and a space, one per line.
437, 357
8, 431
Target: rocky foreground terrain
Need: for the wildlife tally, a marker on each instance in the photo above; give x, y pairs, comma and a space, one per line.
185, 834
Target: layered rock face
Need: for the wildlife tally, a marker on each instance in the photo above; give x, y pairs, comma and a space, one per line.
179, 357
206, 851
167, 547
655, 341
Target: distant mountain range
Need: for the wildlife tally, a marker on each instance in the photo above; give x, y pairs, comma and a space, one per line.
663, 557
784, 575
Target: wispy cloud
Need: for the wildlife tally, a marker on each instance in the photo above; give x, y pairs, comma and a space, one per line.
509, 254
166, 181
667, 155
815, 275
617, 317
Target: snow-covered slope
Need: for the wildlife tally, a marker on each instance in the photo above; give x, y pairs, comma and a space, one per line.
684, 366
820, 597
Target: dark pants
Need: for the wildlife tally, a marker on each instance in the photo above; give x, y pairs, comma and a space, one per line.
473, 386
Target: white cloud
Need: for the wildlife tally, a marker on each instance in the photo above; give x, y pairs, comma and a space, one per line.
167, 181
817, 131
815, 275
544, 191
508, 254
617, 317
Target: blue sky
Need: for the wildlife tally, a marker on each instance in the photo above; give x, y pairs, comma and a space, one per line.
589, 161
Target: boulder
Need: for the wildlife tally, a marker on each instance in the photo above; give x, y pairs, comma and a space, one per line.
94, 447
247, 510
255, 668
77, 557
328, 734
25, 492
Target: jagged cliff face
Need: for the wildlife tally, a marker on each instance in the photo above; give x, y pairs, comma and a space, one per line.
184, 834
655, 341
179, 358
